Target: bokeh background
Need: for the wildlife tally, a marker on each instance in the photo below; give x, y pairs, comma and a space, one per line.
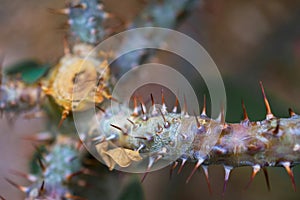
249, 40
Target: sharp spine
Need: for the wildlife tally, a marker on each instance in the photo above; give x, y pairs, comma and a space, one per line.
227, 170
287, 166
269, 114
199, 162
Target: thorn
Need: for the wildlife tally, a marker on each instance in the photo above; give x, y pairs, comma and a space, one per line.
118, 128
150, 164
111, 137
140, 147
226, 178
63, 11
40, 137
276, 130
152, 100
221, 117
43, 167
166, 123
113, 99
21, 188
142, 110
246, 118
197, 121
42, 188
203, 113
205, 170
135, 107
287, 166
267, 178
142, 138
172, 169
292, 113
175, 106
64, 115
70, 176
143, 107
101, 109
255, 170
199, 162
38, 151
29, 177
163, 103
67, 50
159, 129
268, 108
185, 109
182, 164
144, 116
131, 122
154, 110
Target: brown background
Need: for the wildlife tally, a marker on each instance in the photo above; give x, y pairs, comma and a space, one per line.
249, 41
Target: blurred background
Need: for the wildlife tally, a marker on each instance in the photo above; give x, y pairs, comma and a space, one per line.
249, 40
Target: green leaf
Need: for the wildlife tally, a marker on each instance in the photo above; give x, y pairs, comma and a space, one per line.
133, 190
31, 71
